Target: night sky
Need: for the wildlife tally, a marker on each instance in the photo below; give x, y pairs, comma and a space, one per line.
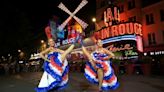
22, 22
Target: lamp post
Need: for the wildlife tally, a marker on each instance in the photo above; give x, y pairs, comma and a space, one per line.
93, 25
43, 45
21, 54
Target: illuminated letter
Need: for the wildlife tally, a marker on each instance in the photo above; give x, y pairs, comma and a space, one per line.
105, 33
140, 29
121, 29
129, 28
105, 19
114, 31
97, 35
136, 28
115, 13
109, 14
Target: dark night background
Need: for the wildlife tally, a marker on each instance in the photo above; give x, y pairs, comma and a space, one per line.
22, 22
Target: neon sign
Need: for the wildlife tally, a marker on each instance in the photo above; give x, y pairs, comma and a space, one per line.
121, 29
122, 47
130, 53
119, 38
125, 50
110, 16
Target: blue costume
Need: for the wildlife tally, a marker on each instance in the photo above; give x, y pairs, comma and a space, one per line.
55, 74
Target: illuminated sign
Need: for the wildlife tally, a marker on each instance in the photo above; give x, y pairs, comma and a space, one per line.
119, 38
138, 40
110, 15
154, 53
139, 43
130, 53
65, 42
123, 50
122, 47
121, 29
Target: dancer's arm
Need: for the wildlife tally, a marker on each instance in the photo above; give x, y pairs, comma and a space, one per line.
60, 51
41, 54
111, 55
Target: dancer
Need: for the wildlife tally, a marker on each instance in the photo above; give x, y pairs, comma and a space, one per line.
55, 74
98, 70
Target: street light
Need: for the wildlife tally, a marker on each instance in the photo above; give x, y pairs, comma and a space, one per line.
9, 55
97, 26
93, 19
42, 41
93, 26
19, 50
43, 45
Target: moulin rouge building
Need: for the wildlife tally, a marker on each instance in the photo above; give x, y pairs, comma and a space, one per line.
132, 28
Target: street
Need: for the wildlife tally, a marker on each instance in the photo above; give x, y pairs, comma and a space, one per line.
26, 82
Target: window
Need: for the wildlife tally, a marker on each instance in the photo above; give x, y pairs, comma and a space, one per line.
131, 4
121, 8
151, 38
132, 19
149, 19
162, 15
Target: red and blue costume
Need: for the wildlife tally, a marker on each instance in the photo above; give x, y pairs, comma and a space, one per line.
109, 79
55, 74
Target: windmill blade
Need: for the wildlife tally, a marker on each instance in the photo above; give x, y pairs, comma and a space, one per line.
81, 5
61, 27
82, 23
64, 8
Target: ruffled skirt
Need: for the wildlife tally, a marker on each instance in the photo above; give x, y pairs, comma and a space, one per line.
55, 76
109, 79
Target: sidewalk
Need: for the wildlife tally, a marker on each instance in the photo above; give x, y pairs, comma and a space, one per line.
78, 83
133, 83
142, 84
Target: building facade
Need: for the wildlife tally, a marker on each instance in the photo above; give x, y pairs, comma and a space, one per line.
150, 14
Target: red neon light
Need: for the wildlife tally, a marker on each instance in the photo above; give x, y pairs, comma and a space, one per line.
109, 16
48, 32
121, 29
139, 43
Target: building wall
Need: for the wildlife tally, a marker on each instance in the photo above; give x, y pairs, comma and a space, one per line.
157, 27
124, 16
